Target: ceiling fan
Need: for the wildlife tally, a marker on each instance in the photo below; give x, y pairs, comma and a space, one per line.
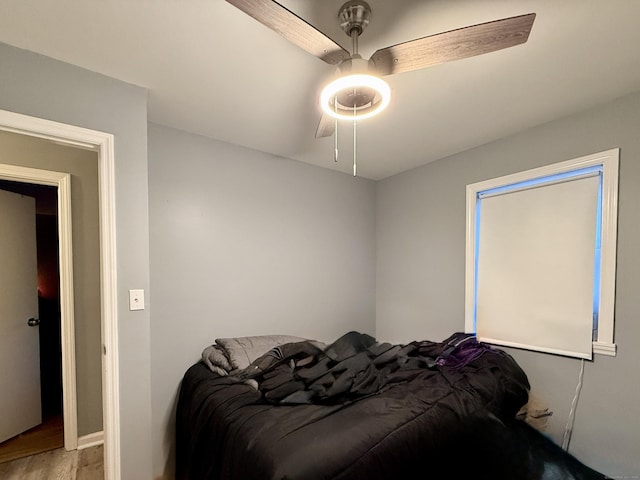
364, 99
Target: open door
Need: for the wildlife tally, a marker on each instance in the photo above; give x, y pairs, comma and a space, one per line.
20, 407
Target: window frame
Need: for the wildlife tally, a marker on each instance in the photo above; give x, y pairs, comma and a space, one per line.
609, 161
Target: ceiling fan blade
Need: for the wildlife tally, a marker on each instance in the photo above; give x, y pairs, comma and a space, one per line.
276, 17
453, 45
326, 126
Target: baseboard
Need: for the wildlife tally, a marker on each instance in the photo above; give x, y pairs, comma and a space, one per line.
91, 440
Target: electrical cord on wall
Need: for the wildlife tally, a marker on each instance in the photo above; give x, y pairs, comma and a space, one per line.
572, 413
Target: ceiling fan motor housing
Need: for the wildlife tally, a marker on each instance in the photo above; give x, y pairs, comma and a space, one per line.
358, 97
356, 93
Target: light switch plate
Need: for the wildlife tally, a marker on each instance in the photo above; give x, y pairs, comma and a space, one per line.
136, 299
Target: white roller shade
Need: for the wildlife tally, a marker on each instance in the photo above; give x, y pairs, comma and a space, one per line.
535, 267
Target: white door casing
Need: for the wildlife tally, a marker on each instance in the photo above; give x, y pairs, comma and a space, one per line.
103, 144
65, 260
19, 343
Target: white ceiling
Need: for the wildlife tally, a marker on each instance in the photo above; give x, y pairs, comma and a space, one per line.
212, 70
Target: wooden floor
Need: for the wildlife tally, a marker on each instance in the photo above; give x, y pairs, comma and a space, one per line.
38, 454
58, 464
49, 435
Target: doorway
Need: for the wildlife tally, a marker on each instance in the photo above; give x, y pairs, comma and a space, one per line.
49, 435
103, 144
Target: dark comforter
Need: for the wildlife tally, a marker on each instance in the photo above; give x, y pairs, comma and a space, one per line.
360, 409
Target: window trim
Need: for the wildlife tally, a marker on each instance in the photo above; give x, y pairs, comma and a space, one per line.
609, 160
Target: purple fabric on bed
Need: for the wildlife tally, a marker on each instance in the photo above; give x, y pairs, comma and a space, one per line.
461, 349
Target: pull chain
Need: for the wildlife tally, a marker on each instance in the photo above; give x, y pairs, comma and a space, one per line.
335, 130
354, 136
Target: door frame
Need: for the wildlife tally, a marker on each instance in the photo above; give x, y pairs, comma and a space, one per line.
65, 256
102, 143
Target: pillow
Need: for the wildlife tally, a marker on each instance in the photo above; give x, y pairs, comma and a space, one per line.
241, 351
216, 359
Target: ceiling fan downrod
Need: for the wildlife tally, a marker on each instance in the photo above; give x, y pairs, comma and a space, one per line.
354, 17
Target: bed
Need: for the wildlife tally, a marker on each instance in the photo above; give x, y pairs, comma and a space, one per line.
278, 407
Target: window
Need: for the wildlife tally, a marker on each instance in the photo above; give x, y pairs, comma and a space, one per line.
540, 260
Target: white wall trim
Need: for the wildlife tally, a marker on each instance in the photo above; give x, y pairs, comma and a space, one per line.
103, 144
65, 256
67, 330
90, 440
604, 348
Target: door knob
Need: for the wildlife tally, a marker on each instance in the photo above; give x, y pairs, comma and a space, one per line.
33, 322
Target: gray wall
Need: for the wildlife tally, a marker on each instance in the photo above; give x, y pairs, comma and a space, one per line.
420, 218
42, 87
83, 166
245, 243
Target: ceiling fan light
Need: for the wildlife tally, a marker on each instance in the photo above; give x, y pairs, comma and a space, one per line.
369, 95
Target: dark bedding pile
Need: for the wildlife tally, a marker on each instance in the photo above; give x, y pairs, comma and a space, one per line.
356, 365
360, 409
